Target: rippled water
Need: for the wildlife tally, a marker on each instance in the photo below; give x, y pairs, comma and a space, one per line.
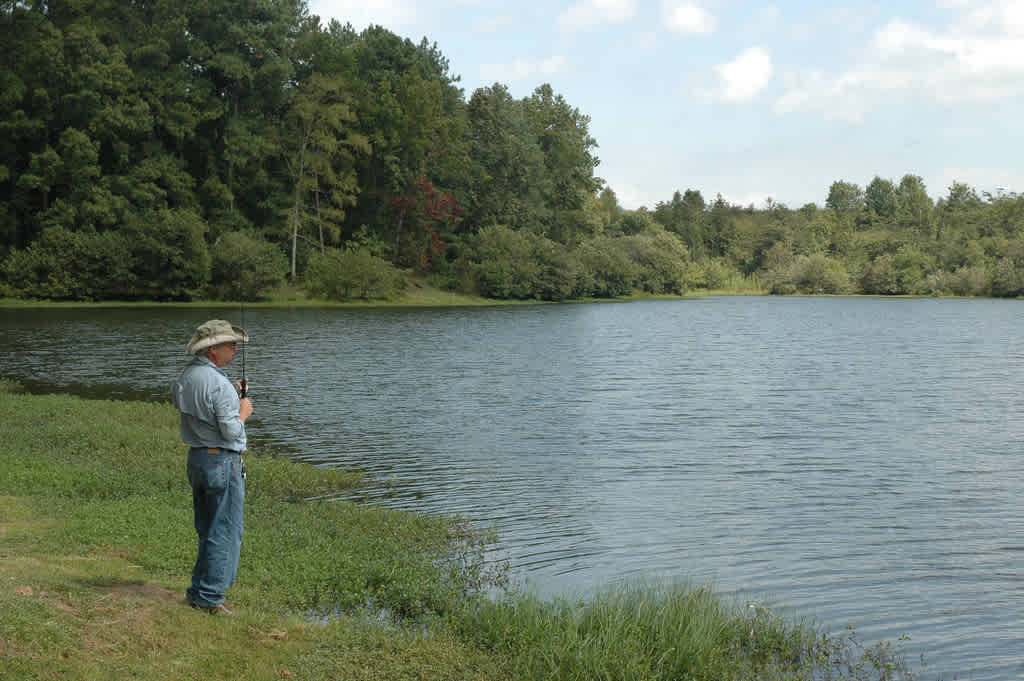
854, 460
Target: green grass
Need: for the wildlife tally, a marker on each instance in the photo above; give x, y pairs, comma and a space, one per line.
96, 546
420, 292
658, 632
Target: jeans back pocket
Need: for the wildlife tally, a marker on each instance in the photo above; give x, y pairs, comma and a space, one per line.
209, 475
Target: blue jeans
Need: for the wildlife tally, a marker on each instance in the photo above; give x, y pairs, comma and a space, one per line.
218, 496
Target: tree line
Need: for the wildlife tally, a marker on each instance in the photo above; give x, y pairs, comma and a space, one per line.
173, 150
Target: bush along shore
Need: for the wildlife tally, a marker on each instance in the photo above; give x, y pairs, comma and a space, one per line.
96, 546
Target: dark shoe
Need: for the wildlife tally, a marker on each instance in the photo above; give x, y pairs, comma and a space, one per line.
220, 609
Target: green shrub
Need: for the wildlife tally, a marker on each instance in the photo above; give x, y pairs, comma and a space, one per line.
1008, 273
342, 274
880, 276
907, 271
913, 266
557, 271
966, 281
605, 269
66, 265
662, 259
44, 269
717, 275
105, 266
939, 282
502, 263
822, 274
971, 281
635, 222
245, 267
170, 258
815, 273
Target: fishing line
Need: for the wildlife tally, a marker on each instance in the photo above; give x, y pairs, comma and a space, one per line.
244, 392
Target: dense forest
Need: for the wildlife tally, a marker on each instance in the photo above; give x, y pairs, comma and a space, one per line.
183, 149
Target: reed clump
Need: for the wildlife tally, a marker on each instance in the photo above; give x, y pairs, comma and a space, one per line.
666, 631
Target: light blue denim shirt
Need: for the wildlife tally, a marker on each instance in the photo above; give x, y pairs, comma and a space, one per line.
208, 403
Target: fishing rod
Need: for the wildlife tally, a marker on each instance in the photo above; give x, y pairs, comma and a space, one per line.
243, 390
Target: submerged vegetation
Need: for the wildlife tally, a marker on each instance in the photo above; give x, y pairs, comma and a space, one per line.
175, 151
96, 544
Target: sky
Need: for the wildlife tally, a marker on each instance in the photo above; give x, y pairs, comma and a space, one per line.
756, 101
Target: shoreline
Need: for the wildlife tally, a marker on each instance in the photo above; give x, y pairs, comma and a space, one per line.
418, 294
97, 545
454, 300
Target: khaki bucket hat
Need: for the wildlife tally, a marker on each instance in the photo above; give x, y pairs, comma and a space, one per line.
215, 332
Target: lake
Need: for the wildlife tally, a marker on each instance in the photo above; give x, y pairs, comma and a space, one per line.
854, 460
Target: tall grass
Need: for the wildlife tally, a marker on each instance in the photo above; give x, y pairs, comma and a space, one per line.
737, 283
639, 633
667, 631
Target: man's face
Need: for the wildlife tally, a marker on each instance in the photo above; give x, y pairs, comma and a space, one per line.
222, 354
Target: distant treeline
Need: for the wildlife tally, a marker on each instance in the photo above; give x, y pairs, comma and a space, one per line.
173, 150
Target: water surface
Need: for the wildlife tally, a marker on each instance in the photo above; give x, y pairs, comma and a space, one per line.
854, 460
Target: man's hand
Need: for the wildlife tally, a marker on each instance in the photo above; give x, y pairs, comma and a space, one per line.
244, 409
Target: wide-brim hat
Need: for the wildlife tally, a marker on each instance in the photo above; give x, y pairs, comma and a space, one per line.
215, 332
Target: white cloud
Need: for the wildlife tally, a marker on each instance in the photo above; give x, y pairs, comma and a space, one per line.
495, 23
978, 57
840, 21
524, 69
745, 76
589, 13
1002, 16
847, 96
392, 14
687, 17
995, 181
632, 197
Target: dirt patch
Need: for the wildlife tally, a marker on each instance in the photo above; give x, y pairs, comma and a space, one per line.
277, 635
125, 621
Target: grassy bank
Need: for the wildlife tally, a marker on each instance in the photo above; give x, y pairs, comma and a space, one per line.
418, 293
96, 545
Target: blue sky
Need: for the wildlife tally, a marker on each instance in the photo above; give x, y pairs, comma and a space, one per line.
751, 100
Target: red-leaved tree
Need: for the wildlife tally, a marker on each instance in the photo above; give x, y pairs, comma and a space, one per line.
423, 216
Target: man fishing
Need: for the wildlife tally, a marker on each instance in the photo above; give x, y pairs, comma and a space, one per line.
213, 415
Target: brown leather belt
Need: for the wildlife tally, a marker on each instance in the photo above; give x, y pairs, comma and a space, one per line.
218, 450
